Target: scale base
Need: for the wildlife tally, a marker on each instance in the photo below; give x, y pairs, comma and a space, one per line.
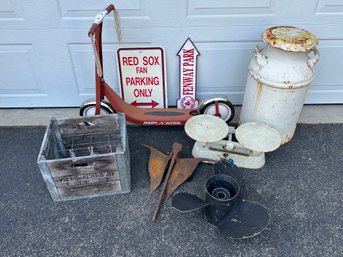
223, 149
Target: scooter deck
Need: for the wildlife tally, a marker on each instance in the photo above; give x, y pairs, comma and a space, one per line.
147, 116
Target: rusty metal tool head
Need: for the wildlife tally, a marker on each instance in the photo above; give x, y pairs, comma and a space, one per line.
179, 171
183, 169
158, 162
176, 149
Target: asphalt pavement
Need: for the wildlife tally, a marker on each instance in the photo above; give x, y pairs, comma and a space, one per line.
301, 186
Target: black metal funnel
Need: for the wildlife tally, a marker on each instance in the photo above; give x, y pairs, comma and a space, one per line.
224, 208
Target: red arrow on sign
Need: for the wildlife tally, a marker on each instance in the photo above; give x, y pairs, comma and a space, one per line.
152, 104
188, 75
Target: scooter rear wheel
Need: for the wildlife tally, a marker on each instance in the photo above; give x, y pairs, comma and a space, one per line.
225, 108
88, 108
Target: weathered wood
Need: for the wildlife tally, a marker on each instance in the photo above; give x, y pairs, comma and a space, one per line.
89, 124
57, 139
90, 179
65, 167
112, 186
85, 157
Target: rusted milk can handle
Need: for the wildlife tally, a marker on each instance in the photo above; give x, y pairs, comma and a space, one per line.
312, 61
260, 58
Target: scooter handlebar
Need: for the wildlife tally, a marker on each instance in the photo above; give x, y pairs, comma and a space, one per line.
99, 19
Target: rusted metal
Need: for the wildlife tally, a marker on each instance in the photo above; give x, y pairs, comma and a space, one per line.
158, 162
179, 170
176, 149
258, 96
290, 38
183, 169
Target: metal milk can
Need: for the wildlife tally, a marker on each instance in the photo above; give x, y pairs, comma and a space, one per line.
279, 78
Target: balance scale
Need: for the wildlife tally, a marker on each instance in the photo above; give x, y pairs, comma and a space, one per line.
254, 139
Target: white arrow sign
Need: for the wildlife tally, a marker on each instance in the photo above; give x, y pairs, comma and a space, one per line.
188, 75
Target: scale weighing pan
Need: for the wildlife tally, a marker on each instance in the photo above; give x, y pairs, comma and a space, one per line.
259, 137
206, 128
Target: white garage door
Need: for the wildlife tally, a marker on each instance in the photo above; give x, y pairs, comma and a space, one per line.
46, 58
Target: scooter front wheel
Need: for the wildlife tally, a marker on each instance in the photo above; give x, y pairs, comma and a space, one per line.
87, 108
218, 106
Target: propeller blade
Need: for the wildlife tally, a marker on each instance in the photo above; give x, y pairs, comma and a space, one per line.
247, 219
158, 162
183, 169
185, 202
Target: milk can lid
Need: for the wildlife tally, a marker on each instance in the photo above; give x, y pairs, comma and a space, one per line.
290, 38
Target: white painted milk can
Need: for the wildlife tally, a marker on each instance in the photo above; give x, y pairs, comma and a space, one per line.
279, 78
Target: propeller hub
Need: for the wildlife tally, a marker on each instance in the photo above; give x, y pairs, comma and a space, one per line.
221, 193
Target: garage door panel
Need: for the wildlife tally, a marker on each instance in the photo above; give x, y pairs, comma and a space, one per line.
329, 7
329, 69
224, 60
327, 84
7, 11
225, 13
19, 14
329, 11
83, 65
325, 94
11, 15
228, 8
17, 64
223, 68
77, 8
81, 13
82, 56
35, 69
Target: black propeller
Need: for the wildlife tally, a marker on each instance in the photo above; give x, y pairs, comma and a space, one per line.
224, 206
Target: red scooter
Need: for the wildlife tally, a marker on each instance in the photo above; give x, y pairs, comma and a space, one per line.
108, 101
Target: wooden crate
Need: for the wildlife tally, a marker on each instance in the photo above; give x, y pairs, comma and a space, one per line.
85, 157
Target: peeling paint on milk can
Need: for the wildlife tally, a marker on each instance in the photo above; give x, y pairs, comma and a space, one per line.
279, 78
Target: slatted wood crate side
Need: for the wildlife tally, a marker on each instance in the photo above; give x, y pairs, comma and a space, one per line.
95, 190
52, 145
124, 159
85, 176
76, 177
90, 124
87, 164
48, 150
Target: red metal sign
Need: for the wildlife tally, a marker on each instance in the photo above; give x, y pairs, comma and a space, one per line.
188, 75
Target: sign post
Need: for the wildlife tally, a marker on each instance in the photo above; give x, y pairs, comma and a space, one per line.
188, 75
142, 76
